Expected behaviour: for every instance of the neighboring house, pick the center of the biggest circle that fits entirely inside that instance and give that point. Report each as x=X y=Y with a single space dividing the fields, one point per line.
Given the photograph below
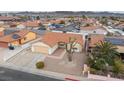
x=118 y=42
x=17 y=38
x=93 y=30
x=39 y=32
x=92 y=40
x=9 y=18
x=53 y=26
x=29 y=25
x=69 y=28
x=2 y=31
x=8 y=31
x=50 y=42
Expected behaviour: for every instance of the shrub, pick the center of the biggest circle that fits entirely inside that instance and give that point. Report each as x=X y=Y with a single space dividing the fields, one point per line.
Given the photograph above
x=40 y=65
x=118 y=67
x=93 y=71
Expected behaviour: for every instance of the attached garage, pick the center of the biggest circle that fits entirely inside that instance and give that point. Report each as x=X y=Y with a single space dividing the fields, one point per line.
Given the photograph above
x=40 y=48
x=3 y=44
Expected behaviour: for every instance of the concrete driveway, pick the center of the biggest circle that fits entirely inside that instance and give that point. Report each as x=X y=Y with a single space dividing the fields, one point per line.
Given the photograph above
x=26 y=58
x=2 y=54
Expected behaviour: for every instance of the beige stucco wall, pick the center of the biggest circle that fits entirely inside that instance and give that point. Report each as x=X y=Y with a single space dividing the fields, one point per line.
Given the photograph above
x=30 y=36
x=40 y=47
x=15 y=43
x=43 y=48
x=120 y=49
x=79 y=47
x=51 y=50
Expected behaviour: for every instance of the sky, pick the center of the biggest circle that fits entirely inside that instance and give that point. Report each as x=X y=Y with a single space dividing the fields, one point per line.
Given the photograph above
x=62 y=5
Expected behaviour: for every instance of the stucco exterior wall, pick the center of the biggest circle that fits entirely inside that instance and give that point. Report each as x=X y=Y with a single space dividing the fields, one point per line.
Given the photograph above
x=15 y=43
x=30 y=36
x=40 y=47
x=120 y=49
x=51 y=50
x=79 y=48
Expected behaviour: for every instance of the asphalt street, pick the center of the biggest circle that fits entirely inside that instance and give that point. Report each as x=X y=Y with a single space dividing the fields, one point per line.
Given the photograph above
x=14 y=75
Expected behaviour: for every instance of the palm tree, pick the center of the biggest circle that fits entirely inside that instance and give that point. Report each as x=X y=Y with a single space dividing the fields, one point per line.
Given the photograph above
x=103 y=55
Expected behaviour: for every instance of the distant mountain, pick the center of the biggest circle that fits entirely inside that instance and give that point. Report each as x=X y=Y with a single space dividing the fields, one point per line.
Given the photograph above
x=68 y=13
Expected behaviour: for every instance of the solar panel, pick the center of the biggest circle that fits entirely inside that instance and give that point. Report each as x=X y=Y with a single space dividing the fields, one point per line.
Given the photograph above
x=15 y=36
x=115 y=41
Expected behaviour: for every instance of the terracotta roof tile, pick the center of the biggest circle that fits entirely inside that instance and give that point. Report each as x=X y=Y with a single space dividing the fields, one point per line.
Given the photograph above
x=8 y=38
x=2 y=18
x=52 y=38
x=95 y=38
x=35 y=23
x=87 y=28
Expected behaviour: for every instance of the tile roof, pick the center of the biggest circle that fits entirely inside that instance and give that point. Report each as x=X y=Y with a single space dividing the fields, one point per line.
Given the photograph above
x=87 y=28
x=9 y=38
x=52 y=38
x=7 y=18
x=69 y=28
x=95 y=38
x=35 y=23
x=39 y=32
x=8 y=31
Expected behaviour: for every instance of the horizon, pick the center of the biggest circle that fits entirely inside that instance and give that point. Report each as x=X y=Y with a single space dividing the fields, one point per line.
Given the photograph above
x=116 y=12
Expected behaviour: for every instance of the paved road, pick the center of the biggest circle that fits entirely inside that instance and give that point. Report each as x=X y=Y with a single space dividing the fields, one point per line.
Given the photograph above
x=13 y=75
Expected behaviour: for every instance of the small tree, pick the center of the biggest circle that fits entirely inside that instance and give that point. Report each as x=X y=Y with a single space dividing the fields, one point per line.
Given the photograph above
x=38 y=17
x=118 y=67
x=84 y=17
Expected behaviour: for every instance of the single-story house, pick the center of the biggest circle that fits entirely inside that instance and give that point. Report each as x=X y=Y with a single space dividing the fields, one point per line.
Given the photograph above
x=68 y=28
x=2 y=31
x=93 y=30
x=29 y=25
x=51 y=41
x=92 y=40
x=118 y=42
x=9 y=18
x=17 y=38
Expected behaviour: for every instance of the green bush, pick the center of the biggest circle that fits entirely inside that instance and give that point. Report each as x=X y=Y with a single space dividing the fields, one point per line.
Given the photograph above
x=40 y=65
x=118 y=67
x=93 y=71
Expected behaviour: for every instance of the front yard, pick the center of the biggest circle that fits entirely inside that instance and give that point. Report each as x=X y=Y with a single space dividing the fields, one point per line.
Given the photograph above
x=64 y=66
x=28 y=59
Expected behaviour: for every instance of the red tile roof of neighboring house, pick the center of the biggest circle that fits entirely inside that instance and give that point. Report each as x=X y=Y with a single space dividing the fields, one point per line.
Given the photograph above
x=91 y=28
x=8 y=38
x=7 y=18
x=52 y=38
x=35 y=23
x=95 y=38
x=87 y=28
